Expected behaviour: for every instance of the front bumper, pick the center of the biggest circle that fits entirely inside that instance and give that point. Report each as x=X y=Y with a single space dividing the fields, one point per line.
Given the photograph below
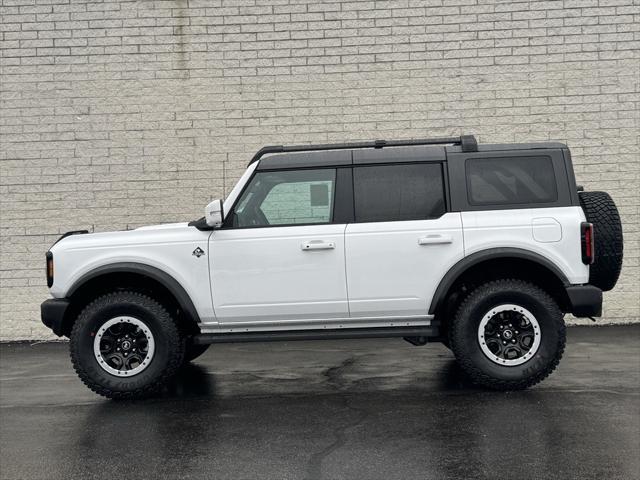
x=584 y=300
x=53 y=313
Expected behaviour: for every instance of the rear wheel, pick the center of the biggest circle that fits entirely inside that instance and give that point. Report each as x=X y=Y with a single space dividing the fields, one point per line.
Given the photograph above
x=125 y=345
x=508 y=335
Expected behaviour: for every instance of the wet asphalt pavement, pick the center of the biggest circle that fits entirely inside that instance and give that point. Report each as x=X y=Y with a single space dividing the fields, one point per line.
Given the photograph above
x=351 y=409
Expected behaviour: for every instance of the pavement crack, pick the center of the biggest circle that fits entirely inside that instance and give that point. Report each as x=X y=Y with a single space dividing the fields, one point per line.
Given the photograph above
x=334 y=375
x=314 y=468
x=336 y=380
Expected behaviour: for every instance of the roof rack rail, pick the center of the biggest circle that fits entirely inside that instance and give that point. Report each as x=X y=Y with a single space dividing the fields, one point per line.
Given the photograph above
x=467 y=142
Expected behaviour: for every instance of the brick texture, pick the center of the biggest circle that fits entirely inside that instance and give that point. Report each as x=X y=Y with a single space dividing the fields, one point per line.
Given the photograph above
x=121 y=113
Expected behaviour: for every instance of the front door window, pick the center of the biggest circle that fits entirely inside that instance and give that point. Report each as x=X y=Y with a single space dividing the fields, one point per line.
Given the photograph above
x=294 y=197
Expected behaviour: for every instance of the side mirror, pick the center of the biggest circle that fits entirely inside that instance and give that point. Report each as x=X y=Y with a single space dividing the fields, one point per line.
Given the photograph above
x=214 y=214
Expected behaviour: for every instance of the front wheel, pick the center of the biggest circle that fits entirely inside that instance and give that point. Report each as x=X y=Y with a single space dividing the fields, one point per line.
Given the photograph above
x=508 y=335
x=125 y=345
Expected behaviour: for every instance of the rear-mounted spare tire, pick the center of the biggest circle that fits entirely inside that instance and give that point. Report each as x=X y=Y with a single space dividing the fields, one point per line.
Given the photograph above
x=602 y=212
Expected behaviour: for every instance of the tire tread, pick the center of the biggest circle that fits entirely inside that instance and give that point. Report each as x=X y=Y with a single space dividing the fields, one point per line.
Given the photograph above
x=600 y=210
x=171 y=328
x=476 y=375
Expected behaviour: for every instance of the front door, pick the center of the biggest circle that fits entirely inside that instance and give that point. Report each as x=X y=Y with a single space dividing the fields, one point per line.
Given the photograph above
x=279 y=261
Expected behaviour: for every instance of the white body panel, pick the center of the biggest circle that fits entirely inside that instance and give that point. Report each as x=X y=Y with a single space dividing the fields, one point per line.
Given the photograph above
x=278 y=274
x=393 y=268
x=167 y=247
x=376 y=274
x=553 y=233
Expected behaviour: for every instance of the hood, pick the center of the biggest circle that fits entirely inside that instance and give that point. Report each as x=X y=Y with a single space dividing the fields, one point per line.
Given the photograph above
x=163 y=226
x=152 y=234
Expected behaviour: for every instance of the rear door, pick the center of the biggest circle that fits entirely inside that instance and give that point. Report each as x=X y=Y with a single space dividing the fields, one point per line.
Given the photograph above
x=403 y=239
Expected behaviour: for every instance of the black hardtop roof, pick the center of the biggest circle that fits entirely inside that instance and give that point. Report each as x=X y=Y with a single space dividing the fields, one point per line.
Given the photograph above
x=381 y=151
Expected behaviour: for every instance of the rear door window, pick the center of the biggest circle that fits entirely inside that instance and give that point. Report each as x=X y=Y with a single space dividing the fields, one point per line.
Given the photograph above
x=387 y=193
x=510 y=180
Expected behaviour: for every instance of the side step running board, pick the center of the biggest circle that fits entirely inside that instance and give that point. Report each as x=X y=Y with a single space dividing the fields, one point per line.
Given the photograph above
x=325 y=334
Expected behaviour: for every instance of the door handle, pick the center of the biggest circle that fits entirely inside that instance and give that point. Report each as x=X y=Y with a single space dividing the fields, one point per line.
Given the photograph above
x=435 y=240
x=317 y=245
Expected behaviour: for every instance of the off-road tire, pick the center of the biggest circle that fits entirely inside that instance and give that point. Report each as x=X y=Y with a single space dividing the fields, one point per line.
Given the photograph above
x=193 y=351
x=600 y=210
x=463 y=335
x=167 y=358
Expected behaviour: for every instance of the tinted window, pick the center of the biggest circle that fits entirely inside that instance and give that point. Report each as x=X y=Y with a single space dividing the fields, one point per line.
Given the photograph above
x=287 y=198
x=398 y=192
x=496 y=181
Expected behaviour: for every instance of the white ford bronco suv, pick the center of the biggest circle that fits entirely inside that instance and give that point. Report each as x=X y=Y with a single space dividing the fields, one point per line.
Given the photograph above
x=481 y=247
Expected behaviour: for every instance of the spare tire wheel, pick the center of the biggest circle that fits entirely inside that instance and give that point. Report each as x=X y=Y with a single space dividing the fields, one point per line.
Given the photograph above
x=602 y=212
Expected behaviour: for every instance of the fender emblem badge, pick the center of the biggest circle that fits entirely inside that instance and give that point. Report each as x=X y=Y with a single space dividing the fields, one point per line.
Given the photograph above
x=198 y=252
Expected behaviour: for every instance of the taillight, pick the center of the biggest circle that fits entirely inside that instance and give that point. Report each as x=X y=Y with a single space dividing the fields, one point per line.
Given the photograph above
x=49 y=269
x=588 y=246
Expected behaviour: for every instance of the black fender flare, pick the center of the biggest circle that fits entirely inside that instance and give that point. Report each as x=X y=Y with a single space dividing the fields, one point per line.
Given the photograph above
x=490 y=254
x=160 y=276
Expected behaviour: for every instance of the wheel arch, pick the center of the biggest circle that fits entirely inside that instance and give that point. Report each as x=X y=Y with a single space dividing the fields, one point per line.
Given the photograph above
x=502 y=261
x=132 y=276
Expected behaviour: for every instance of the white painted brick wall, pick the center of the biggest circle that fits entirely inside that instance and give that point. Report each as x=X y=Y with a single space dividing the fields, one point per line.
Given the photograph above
x=122 y=113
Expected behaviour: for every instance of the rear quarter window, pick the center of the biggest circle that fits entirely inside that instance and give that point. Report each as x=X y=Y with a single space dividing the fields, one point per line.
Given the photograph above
x=510 y=180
